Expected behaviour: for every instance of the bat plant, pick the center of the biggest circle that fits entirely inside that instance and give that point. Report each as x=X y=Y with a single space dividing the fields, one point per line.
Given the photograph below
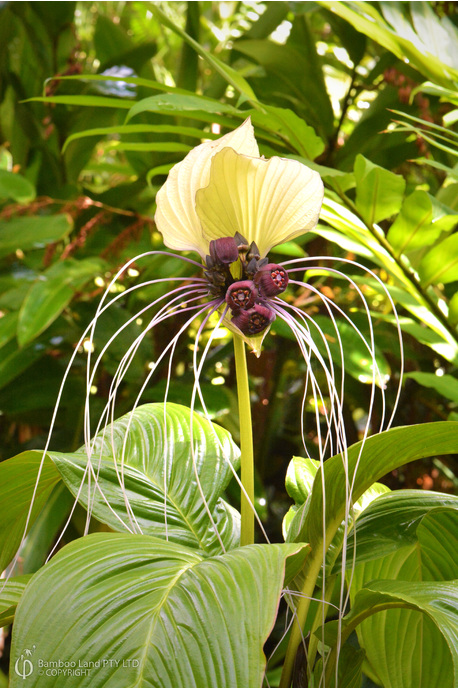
x=167 y=587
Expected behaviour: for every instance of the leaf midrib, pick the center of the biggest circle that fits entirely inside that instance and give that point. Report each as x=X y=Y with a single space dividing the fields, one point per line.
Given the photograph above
x=110 y=461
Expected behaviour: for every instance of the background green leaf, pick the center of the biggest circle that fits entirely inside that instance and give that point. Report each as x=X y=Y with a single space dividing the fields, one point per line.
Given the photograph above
x=32 y=232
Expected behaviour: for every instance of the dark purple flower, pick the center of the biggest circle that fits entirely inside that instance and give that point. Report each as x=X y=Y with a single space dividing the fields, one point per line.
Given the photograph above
x=254 y=320
x=271 y=279
x=224 y=250
x=241 y=295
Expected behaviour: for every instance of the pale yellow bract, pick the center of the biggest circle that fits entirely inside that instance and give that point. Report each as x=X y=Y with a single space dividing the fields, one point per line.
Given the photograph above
x=222 y=187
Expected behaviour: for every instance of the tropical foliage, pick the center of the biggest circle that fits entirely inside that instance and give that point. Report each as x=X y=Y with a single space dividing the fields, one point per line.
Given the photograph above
x=147 y=584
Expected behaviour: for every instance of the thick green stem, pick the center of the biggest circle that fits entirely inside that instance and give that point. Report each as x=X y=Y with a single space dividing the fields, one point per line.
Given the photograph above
x=348 y=629
x=313 y=566
x=319 y=617
x=246 y=443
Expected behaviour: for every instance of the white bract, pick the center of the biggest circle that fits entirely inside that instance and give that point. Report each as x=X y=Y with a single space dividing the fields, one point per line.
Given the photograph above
x=224 y=186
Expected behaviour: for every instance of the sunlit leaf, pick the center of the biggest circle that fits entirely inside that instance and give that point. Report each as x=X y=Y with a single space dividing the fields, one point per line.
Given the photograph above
x=165 y=615
x=440 y=264
x=164 y=448
x=379 y=192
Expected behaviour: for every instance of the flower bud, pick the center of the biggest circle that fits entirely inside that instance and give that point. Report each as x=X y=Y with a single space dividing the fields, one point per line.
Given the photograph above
x=254 y=320
x=224 y=250
x=241 y=295
x=271 y=280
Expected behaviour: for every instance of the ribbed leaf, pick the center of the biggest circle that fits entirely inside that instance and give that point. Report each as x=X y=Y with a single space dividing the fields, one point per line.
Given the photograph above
x=159 y=476
x=379 y=192
x=391 y=522
x=140 y=612
x=379 y=455
x=10 y=593
x=410 y=648
x=414 y=541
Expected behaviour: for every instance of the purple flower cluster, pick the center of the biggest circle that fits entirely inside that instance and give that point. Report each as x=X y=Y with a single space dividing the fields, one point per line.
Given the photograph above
x=247 y=296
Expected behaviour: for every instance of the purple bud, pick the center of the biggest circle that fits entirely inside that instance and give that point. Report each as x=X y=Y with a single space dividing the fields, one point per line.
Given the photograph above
x=254 y=320
x=224 y=250
x=241 y=295
x=271 y=280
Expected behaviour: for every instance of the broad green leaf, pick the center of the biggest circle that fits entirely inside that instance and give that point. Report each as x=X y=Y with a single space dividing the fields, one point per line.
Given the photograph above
x=427 y=634
x=18 y=479
x=413 y=646
x=10 y=592
x=445 y=385
x=413 y=227
x=391 y=522
x=33 y=232
x=16 y=187
x=159 y=614
x=379 y=192
x=159 y=476
x=350 y=667
x=299 y=478
x=287 y=124
x=367 y=462
x=410 y=536
x=440 y=265
x=51 y=293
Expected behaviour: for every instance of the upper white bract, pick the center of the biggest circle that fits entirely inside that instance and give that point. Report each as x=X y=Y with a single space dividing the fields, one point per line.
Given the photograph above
x=224 y=186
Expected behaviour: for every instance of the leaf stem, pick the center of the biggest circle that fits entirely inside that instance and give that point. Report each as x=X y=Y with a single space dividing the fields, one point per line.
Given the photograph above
x=246 y=443
x=311 y=572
